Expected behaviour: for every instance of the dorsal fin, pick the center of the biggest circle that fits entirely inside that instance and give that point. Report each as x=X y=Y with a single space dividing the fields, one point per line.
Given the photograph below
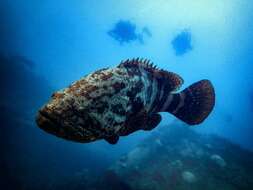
x=175 y=80
x=144 y=63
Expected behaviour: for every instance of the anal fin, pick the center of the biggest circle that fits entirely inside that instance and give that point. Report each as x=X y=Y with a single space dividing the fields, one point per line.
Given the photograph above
x=112 y=139
x=152 y=122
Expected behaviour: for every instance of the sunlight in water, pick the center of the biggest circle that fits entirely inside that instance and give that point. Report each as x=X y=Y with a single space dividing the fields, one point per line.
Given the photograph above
x=192 y=11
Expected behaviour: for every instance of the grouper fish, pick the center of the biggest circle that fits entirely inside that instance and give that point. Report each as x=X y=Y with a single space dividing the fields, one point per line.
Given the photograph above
x=114 y=102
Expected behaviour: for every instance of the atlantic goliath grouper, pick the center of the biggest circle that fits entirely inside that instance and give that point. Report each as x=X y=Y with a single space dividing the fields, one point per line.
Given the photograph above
x=114 y=102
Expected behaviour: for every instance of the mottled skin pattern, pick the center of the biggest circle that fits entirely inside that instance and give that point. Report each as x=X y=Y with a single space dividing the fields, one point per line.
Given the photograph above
x=110 y=102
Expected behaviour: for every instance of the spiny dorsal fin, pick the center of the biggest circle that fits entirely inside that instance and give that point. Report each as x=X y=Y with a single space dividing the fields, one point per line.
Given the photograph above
x=144 y=63
x=175 y=80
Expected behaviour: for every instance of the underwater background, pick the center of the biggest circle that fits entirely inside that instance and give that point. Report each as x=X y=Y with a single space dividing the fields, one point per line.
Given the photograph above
x=46 y=45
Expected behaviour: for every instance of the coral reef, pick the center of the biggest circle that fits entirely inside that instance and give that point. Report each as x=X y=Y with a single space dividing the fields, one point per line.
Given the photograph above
x=218 y=160
x=188 y=177
x=178 y=158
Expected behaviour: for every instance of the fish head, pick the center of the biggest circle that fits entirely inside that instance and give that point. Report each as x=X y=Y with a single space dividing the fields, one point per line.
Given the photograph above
x=62 y=116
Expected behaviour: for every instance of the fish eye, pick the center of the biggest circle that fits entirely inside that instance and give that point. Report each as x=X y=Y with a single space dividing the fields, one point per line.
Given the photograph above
x=57 y=95
x=54 y=95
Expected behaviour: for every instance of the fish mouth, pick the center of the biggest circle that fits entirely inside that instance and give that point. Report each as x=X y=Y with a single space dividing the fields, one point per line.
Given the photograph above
x=48 y=123
x=51 y=125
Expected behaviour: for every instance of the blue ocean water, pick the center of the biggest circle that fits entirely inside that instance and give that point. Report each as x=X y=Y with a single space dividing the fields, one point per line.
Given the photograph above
x=46 y=45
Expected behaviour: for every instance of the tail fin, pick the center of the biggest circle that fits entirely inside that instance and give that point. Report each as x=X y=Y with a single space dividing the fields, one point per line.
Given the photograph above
x=194 y=103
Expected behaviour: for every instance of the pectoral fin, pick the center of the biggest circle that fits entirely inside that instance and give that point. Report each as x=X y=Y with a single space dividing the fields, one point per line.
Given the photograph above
x=134 y=122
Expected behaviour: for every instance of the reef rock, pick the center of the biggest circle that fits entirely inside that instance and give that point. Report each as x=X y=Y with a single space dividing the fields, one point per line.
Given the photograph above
x=177 y=164
x=181 y=158
x=188 y=176
x=218 y=160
